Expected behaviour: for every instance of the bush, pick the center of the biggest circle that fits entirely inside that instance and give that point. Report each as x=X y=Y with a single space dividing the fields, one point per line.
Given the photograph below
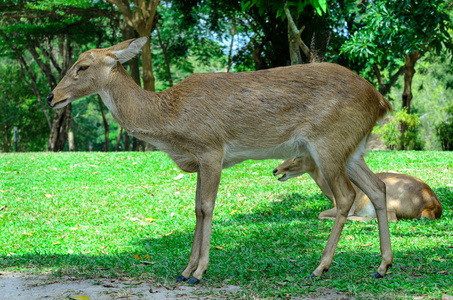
x=392 y=134
x=445 y=131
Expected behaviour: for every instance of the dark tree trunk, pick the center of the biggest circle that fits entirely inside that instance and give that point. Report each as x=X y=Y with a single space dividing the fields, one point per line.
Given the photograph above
x=59 y=130
x=409 y=72
x=106 y=125
x=61 y=122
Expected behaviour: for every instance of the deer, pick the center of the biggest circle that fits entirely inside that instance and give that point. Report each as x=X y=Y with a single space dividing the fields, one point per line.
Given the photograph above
x=407 y=197
x=211 y=121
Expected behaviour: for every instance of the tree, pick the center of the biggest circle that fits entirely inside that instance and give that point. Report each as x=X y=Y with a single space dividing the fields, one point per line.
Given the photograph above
x=285 y=9
x=44 y=32
x=140 y=14
x=395 y=36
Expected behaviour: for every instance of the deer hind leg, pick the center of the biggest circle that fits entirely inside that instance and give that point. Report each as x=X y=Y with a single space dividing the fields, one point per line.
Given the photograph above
x=374 y=188
x=344 y=194
x=208 y=180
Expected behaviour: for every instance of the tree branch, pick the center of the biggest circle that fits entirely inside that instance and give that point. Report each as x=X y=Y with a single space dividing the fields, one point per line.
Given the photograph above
x=296 y=32
x=34 y=87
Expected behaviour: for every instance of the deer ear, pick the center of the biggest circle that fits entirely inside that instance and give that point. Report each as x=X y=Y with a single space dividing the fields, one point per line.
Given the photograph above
x=128 y=49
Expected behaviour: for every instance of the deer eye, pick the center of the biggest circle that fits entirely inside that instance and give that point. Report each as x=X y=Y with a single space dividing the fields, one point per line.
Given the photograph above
x=83 y=68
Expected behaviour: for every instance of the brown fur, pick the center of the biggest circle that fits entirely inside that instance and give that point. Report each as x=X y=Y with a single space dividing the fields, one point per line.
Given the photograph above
x=212 y=121
x=407 y=197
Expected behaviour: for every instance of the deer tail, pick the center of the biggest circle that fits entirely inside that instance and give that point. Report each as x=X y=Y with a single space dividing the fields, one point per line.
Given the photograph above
x=384 y=106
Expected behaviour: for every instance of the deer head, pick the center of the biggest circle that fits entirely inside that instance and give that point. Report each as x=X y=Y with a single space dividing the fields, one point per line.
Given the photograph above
x=92 y=72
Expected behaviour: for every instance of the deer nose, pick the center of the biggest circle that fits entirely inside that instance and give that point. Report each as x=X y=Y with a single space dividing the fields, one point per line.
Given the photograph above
x=49 y=99
x=275 y=171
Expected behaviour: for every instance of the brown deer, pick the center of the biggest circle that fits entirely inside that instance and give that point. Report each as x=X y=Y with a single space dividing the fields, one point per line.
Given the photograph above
x=208 y=122
x=407 y=197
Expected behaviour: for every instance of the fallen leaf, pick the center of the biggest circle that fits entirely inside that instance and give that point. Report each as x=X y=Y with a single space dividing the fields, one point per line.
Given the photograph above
x=70 y=251
x=49 y=195
x=146 y=256
x=136 y=256
x=178 y=177
x=79 y=297
x=367 y=245
x=149 y=220
x=138 y=283
x=56 y=243
x=253 y=270
x=219 y=248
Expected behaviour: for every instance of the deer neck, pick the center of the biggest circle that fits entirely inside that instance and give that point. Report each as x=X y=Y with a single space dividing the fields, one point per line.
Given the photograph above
x=134 y=108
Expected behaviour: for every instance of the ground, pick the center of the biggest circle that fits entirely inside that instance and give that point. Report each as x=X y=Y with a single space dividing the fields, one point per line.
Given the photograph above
x=19 y=286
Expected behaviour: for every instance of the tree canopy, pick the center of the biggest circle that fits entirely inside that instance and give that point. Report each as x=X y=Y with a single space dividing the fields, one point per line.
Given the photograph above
x=385 y=41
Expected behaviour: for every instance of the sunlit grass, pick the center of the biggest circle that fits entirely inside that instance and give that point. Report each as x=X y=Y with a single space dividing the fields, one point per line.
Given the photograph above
x=103 y=214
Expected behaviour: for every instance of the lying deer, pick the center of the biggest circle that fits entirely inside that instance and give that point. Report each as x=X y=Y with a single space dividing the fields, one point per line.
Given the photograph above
x=407 y=197
x=208 y=122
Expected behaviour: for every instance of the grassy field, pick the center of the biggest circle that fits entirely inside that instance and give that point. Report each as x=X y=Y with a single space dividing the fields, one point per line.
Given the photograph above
x=132 y=214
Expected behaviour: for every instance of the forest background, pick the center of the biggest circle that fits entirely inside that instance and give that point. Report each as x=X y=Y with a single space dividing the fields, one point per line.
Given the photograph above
x=403 y=47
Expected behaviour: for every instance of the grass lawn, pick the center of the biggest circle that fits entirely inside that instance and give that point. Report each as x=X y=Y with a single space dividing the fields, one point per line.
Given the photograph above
x=132 y=214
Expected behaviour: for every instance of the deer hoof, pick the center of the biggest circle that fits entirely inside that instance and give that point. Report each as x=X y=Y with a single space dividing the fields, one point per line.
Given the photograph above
x=311 y=276
x=193 y=280
x=377 y=276
x=180 y=278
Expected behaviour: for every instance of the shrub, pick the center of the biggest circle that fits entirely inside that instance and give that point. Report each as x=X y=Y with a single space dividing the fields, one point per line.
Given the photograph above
x=392 y=134
x=445 y=131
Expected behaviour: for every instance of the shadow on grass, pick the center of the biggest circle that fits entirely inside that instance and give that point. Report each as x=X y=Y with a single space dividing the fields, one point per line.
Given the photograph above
x=276 y=245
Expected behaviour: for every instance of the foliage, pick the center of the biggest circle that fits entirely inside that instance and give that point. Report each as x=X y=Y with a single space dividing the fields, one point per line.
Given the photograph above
x=391 y=134
x=278 y=6
x=187 y=47
x=393 y=29
x=445 y=131
x=92 y=214
x=18 y=108
x=432 y=88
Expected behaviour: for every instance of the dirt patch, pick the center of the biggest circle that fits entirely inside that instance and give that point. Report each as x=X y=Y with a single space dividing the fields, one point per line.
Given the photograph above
x=19 y=286
x=34 y=287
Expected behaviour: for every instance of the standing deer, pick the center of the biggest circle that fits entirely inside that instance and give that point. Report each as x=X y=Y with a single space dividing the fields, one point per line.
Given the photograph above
x=208 y=122
x=407 y=197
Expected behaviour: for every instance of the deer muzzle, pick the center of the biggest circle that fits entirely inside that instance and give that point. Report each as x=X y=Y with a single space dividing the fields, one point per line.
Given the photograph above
x=49 y=100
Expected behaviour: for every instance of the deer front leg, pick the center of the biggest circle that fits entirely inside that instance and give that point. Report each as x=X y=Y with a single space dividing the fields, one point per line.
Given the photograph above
x=208 y=180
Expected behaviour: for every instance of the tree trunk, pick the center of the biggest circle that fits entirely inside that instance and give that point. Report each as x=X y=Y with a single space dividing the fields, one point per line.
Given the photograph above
x=164 y=52
x=260 y=64
x=59 y=130
x=61 y=122
x=106 y=125
x=294 y=52
x=231 y=44
x=409 y=72
x=71 y=144
x=127 y=143
x=118 y=139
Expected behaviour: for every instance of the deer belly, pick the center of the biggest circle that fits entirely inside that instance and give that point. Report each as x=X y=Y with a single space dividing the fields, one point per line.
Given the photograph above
x=235 y=154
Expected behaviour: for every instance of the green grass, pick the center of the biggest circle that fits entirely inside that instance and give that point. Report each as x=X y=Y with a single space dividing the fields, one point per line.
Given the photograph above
x=103 y=214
